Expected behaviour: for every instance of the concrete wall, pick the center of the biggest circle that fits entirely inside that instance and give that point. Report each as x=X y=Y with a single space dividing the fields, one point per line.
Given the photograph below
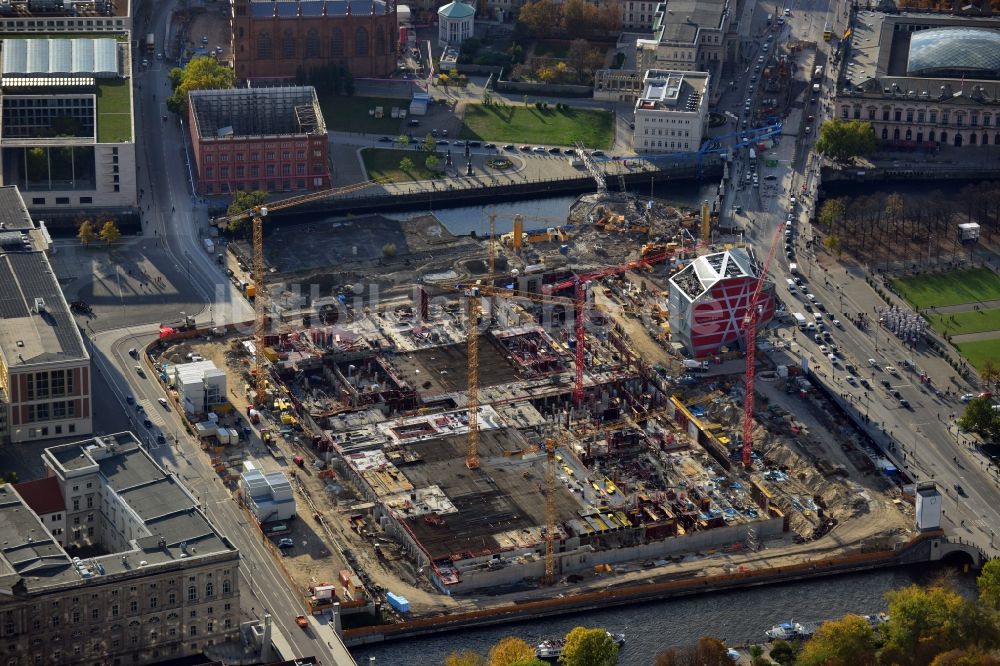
x=585 y=558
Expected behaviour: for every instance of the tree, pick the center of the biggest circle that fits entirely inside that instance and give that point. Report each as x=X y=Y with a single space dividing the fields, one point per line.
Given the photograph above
x=964 y=658
x=579 y=51
x=980 y=417
x=389 y=250
x=402 y=141
x=429 y=144
x=464 y=658
x=109 y=232
x=540 y=17
x=848 y=641
x=923 y=622
x=508 y=651
x=406 y=164
x=782 y=652
x=757 y=656
x=832 y=212
x=589 y=647
x=989 y=372
x=833 y=244
x=989 y=585
x=843 y=140
x=243 y=202
x=86 y=234
x=202 y=73
x=534 y=661
x=432 y=162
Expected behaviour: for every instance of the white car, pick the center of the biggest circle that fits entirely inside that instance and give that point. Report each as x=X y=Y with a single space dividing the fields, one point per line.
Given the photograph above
x=811 y=297
x=850 y=380
x=872 y=363
x=833 y=358
x=968 y=397
x=836 y=322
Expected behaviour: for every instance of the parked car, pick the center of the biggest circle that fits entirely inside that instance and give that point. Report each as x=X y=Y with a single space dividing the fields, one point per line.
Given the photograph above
x=286 y=543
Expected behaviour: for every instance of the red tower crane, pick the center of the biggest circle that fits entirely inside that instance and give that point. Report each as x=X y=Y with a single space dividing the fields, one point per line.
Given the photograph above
x=579 y=284
x=750 y=322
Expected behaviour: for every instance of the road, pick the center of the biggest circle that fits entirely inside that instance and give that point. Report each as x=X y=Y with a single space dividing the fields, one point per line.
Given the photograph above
x=174 y=223
x=922 y=439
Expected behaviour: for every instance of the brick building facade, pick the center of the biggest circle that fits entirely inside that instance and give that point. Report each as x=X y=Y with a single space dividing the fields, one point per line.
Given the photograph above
x=271 y=139
x=278 y=40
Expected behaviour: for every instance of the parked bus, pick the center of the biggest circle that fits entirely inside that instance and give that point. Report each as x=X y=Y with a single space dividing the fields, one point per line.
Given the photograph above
x=827 y=33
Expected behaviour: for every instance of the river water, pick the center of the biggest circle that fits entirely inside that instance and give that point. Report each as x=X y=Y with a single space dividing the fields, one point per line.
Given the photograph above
x=551 y=211
x=652 y=627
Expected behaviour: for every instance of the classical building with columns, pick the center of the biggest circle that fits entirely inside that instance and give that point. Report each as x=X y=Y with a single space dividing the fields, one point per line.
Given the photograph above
x=923 y=80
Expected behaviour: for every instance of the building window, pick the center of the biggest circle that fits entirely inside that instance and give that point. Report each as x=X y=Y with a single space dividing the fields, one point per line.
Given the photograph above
x=288 y=44
x=932 y=118
x=171 y=598
x=114 y=610
x=361 y=42
x=193 y=630
x=254 y=171
x=380 y=40
x=95 y=614
x=239 y=172
x=225 y=588
x=312 y=44
x=192 y=593
x=264 y=44
x=209 y=590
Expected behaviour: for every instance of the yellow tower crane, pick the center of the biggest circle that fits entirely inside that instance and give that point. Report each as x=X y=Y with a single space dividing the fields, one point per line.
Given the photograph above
x=550 y=511
x=472 y=457
x=256 y=216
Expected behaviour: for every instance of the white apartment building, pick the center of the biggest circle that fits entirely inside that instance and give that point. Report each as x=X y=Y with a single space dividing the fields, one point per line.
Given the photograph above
x=670 y=114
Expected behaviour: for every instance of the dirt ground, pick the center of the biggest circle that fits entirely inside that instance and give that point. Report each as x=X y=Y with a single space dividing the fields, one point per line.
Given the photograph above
x=211 y=24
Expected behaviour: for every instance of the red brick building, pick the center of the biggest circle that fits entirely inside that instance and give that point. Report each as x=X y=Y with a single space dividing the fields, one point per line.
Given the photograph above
x=271 y=139
x=275 y=40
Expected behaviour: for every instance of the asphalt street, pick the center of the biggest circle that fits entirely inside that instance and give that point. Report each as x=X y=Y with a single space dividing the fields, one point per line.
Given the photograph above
x=927 y=445
x=174 y=222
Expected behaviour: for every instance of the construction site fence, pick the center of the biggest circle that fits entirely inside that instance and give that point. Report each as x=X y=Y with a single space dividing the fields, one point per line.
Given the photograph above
x=688 y=585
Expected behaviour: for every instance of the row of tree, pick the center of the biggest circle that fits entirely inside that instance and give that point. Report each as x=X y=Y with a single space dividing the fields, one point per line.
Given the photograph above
x=88 y=233
x=583 y=647
x=547 y=18
x=979 y=416
x=887 y=227
x=926 y=626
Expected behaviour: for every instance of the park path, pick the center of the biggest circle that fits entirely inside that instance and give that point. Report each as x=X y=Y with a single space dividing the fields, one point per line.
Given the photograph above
x=963 y=307
x=975 y=337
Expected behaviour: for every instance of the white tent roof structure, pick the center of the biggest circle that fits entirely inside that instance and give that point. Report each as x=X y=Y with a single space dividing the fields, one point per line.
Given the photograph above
x=60 y=57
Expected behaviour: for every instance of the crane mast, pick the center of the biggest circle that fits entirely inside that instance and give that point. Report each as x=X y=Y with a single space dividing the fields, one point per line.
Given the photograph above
x=472 y=456
x=550 y=511
x=750 y=321
x=260 y=298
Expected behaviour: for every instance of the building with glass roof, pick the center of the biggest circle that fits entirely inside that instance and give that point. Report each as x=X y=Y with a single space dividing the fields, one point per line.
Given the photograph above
x=67 y=136
x=922 y=80
x=955 y=52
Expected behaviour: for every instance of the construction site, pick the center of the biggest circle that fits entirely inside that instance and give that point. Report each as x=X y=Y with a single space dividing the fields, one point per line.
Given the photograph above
x=495 y=415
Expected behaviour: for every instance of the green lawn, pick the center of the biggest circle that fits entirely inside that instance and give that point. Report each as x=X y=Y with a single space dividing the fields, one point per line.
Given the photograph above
x=552 y=48
x=977 y=352
x=114 y=112
x=382 y=165
x=350 y=114
x=509 y=124
x=976 y=321
x=951 y=288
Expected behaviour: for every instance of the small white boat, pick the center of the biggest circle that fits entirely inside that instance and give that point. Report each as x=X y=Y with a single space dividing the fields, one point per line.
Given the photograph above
x=551 y=649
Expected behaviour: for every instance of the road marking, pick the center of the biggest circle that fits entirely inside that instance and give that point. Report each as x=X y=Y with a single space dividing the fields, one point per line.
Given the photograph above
x=152 y=413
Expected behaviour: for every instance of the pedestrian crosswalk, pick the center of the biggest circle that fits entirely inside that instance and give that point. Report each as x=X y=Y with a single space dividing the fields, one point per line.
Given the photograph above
x=152 y=413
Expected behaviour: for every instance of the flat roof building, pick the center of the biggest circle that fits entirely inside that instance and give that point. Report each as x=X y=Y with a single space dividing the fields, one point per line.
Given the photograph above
x=67 y=137
x=159 y=581
x=44 y=366
x=922 y=80
x=271 y=139
x=61 y=16
x=670 y=114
